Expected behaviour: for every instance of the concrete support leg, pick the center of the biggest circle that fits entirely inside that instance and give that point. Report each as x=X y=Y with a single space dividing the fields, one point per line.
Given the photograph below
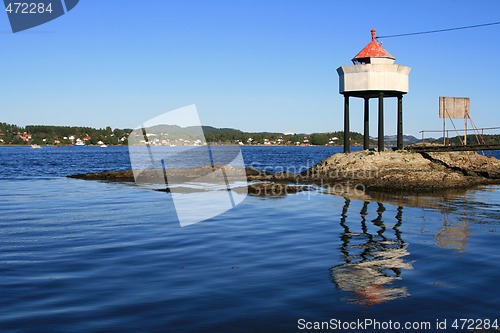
x=400 y=123
x=347 y=144
x=366 y=134
x=381 y=122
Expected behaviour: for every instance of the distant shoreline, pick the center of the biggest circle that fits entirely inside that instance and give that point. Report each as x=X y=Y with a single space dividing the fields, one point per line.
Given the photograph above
x=210 y=144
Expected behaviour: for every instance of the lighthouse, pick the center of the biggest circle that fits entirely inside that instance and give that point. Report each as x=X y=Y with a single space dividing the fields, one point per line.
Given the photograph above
x=373 y=75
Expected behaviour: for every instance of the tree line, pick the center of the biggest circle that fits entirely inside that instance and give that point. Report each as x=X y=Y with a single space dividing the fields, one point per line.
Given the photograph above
x=66 y=135
x=60 y=135
x=223 y=136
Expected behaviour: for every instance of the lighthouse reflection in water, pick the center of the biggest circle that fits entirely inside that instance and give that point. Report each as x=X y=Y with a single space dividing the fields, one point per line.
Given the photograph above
x=373 y=261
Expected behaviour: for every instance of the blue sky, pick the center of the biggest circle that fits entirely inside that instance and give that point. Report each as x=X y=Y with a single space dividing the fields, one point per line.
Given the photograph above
x=252 y=65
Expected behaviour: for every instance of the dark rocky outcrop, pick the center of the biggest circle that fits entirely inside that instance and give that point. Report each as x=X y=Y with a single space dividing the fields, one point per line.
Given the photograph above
x=361 y=172
x=111 y=176
x=402 y=171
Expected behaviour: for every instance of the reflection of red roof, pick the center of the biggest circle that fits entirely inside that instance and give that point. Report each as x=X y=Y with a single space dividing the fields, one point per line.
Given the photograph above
x=373 y=50
x=372 y=295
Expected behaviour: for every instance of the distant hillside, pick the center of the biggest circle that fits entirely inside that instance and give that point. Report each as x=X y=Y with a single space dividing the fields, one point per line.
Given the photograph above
x=489 y=139
x=168 y=134
x=175 y=135
x=391 y=140
x=60 y=135
x=162 y=134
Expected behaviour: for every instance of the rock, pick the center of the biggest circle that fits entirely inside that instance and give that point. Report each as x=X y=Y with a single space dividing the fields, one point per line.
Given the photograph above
x=112 y=176
x=359 y=172
x=403 y=171
x=275 y=189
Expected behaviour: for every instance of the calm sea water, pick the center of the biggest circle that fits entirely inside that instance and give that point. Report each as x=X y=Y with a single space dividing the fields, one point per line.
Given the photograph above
x=85 y=256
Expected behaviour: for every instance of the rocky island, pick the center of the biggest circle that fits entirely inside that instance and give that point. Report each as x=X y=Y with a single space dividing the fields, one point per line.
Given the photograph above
x=364 y=172
x=404 y=171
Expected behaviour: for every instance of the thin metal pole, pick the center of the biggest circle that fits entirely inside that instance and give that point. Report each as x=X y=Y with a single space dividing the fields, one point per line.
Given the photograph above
x=399 y=145
x=381 y=121
x=465 y=130
x=347 y=146
x=444 y=131
x=366 y=134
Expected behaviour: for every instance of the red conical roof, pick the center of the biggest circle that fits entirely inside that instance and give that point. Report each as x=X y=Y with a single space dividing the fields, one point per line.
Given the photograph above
x=373 y=50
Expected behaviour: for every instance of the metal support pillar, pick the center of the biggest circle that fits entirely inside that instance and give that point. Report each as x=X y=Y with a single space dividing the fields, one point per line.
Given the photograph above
x=381 y=121
x=347 y=145
x=366 y=134
x=399 y=145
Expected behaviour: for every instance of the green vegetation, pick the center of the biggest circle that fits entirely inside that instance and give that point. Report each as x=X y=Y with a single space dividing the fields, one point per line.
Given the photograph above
x=170 y=134
x=489 y=139
x=224 y=136
x=9 y=134
x=67 y=135
x=60 y=135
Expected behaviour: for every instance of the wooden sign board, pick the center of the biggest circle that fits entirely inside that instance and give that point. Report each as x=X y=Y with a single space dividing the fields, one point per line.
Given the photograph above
x=454 y=107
